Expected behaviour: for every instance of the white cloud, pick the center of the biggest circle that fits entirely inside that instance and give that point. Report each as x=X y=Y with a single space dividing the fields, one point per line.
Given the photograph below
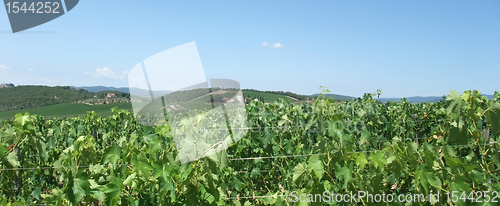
x=275 y=45
x=31 y=70
x=4 y=68
x=106 y=73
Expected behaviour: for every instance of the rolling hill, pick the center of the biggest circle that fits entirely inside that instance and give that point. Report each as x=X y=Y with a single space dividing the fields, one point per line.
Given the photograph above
x=67 y=109
x=61 y=100
x=418 y=99
x=23 y=97
x=136 y=91
x=103 y=88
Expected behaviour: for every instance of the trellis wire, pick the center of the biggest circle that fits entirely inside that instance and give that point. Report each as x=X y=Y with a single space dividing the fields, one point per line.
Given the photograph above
x=236 y=159
x=75 y=166
x=273 y=196
x=305 y=155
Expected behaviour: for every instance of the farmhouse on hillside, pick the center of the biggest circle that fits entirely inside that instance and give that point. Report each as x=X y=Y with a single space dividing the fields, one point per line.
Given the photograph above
x=110 y=95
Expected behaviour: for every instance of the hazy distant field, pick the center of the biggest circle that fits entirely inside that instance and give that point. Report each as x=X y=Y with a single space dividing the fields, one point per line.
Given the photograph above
x=267 y=96
x=67 y=109
x=71 y=109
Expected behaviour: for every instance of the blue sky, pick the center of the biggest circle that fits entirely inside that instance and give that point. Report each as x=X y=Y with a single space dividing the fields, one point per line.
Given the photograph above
x=405 y=48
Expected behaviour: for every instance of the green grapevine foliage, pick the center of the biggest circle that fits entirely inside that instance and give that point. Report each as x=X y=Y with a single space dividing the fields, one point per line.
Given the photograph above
x=361 y=145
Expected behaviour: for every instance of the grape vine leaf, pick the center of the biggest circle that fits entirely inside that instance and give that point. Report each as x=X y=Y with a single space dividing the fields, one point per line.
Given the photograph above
x=9 y=135
x=361 y=160
x=21 y=120
x=112 y=190
x=344 y=172
x=112 y=154
x=79 y=187
x=459 y=184
x=378 y=159
x=298 y=171
x=455 y=102
x=3 y=150
x=129 y=179
x=316 y=165
x=12 y=159
x=493 y=116
x=458 y=136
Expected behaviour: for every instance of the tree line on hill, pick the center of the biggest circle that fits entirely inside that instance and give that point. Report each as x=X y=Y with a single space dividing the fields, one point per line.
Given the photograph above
x=290 y=94
x=30 y=96
x=23 y=97
x=187 y=95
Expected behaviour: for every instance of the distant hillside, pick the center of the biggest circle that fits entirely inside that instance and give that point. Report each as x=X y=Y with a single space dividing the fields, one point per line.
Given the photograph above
x=253 y=93
x=336 y=96
x=273 y=95
x=415 y=99
x=103 y=88
x=103 y=94
x=22 y=97
x=67 y=110
x=418 y=99
x=136 y=91
x=264 y=96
